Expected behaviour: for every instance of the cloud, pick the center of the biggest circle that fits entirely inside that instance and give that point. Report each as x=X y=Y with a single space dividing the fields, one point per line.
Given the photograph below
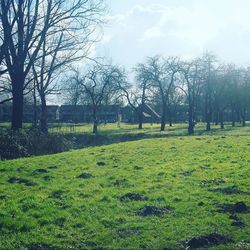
x=140 y=28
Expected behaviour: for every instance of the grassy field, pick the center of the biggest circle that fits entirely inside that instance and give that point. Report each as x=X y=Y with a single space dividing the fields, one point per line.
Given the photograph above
x=176 y=192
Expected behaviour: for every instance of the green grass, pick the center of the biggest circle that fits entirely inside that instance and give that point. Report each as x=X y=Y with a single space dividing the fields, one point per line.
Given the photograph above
x=65 y=212
x=179 y=129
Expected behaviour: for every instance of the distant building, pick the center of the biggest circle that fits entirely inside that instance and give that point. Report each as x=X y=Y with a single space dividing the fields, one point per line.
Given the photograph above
x=106 y=114
x=28 y=113
x=83 y=113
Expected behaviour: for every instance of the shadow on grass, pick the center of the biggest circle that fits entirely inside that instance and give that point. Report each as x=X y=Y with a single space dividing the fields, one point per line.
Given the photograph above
x=82 y=140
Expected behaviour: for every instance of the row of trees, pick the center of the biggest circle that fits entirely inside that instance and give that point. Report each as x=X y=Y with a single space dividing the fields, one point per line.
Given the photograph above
x=202 y=85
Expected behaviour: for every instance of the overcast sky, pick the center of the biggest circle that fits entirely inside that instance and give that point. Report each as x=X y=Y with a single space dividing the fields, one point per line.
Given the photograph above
x=186 y=28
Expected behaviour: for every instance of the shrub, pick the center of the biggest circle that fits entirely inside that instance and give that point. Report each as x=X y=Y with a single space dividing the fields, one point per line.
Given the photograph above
x=23 y=143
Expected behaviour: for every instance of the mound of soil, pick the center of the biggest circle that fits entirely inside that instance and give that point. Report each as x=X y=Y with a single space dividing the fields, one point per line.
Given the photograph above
x=48 y=177
x=85 y=176
x=154 y=211
x=238 y=224
x=121 y=182
x=40 y=246
x=238 y=207
x=236 y=221
x=2 y=197
x=14 y=180
x=40 y=171
x=133 y=197
x=127 y=232
x=209 y=240
x=100 y=163
x=229 y=190
x=57 y=194
x=137 y=168
x=52 y=167
x=88 y=244
x=187 y=173
x=212 y=182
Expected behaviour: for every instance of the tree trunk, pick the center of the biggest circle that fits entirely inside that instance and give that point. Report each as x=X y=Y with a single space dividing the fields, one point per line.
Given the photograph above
x=216 y=118
x=221 y=120
x=95 y=125
x=208 y=127
x=95 y=121
x=140 y=124
x=44 y=115
x=75 y=114
x=17 y=103
x=35 y=109
x=243 y=117
x=208 y=119
x=163 y=118
x=190 y=121
x=170 y=119
x=140 y=117
x=243 y=121
x=233 y=118
x=208 y=112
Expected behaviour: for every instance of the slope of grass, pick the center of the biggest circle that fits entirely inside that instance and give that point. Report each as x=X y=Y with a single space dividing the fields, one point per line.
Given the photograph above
x=147 y=194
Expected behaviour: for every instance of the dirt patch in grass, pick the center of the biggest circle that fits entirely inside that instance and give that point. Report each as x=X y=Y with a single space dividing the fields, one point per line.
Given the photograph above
x=85 y=176
x=48 y=177
x=154 y=211
x=161 y=174
x=56 y=194
x=212 y=182
x=137 y=168
x=209 y=240
x=127 y=232
x=133 y=197
x=40 y=246
x=14 y=180
x=229 y=190
x=236 y=221
x=238 y=207
x=88 y=244
x=59 y=221
x=121 y=182
x=187 y=173
x=52 y=167
x=3 y=197
x=100 y=163
x=39 y=171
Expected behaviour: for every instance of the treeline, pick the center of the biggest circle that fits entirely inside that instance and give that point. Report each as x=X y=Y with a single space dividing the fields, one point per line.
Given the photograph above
x=44 y=42
x=203 y=85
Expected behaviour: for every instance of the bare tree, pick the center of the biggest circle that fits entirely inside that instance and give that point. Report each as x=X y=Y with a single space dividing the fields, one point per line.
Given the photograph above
x=101 y=85
x=138 y=94
x=163 y=75
x=25 y=26
x=192 y=89
x=208 y=61
x=71 y=92
x=245 y=95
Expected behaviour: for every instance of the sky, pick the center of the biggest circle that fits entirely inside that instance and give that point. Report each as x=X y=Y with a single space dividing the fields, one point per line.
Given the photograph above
x=137 y=29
